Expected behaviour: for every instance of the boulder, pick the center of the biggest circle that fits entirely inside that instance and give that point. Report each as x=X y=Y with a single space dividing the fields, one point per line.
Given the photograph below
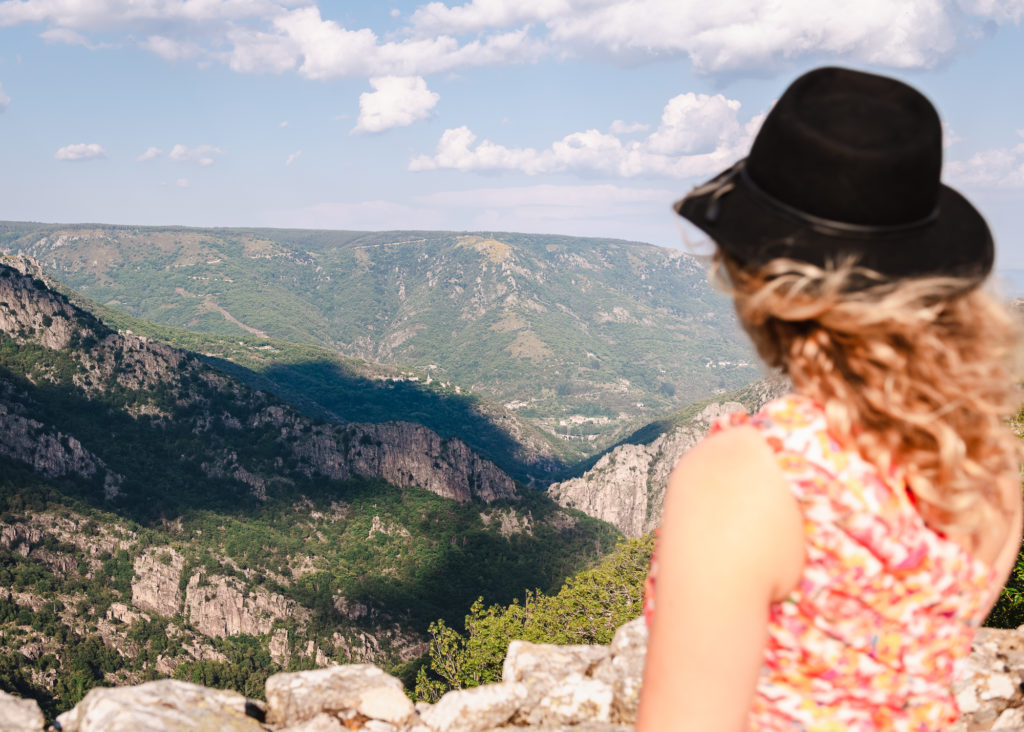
x=343 y=692
x=19 y=715
x=162 y=706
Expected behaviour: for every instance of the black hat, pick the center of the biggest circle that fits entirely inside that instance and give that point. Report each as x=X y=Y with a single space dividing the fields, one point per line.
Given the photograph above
x=846 y=165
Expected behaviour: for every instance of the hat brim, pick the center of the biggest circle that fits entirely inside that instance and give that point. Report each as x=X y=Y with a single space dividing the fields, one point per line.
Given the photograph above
x=956 y=242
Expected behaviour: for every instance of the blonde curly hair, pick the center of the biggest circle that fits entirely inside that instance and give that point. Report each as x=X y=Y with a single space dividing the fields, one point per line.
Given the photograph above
x=914 y=374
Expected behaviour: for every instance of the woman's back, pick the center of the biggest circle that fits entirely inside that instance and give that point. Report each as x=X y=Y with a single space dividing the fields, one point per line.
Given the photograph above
x=869 y=626
x=884 y=606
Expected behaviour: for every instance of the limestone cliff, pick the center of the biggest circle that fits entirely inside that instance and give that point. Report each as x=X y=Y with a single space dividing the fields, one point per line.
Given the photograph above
x=626 y=487
x=156 y=584
x=403 y=454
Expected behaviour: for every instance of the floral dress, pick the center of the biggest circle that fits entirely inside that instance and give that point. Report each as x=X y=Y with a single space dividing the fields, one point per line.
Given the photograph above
x=885 y=606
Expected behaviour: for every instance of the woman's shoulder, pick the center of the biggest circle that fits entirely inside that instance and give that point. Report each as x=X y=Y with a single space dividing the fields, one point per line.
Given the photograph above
x=787 y=421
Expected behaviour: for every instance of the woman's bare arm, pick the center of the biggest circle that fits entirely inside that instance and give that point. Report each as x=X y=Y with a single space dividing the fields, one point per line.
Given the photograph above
x=731 y=542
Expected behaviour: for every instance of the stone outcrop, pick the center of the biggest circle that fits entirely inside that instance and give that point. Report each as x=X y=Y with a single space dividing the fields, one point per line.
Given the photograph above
x=156 y=585
x=626 y=487
x=219 y=606
x=543 y=687
x=447 y=468
x=162 y=705
x=343 y=692
x=50 y=452
x=989 y=687
x=19 y=715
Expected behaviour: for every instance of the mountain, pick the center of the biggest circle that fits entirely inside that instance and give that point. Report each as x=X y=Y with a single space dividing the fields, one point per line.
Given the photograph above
x=626 y=485
x=326 y=385
x=159 y=517
x=583 y=338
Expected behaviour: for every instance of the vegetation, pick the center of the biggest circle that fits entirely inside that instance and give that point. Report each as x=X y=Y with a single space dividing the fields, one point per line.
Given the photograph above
x=197 y=467
x=482 y=311
x=587 y=609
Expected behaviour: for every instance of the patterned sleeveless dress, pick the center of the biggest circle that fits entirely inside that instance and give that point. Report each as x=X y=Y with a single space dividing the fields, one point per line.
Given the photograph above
x=885 y=606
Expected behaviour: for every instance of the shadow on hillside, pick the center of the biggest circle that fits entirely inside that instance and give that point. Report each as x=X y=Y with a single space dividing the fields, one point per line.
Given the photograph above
x=323 y=390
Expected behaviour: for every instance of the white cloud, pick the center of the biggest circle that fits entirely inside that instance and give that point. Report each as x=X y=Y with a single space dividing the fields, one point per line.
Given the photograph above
x=80 y=151
x=181 y=182
x=256 y=52
x=4 y=99
x=698 y=136
x=997 y=168
x=150 y=154
x=293 y=157
x=277 y=36
x=170 y=49
x=620 y=127
x=949 y=136
x=71 y=38
x=202 y=154
x=695 y=122
x=328 y=50
x=283 y=124
x=999 y=10
x=106 y=14
x=473 y=17
x=732 y=35
x=397 y=101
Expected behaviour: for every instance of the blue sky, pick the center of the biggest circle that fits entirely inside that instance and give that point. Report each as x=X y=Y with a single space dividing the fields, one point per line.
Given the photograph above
x=585 y=117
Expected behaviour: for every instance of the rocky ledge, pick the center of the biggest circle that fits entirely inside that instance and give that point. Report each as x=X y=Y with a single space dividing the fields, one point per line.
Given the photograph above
x=543 y=687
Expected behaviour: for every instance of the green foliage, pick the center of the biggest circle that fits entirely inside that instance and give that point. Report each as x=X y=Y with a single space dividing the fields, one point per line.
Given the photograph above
x=588 y=609
x=1009 y=608
x=630 y=326
x=246 y=670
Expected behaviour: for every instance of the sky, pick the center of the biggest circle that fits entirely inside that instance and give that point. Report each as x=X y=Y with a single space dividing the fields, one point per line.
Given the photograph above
x=580 y=117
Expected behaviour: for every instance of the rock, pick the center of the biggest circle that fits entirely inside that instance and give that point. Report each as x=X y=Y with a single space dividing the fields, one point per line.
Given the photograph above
x=322 y=722
x=279 y=648
x=156 y=585
x=342 y=691
x=161 y=706
x=573 y=684
x=623 y=670
x=124 y=614
x=576 y=699
x=548 y=664
x=989 y=681
x=447 y=468
x=544 y=687
x=1010 y=719
x=220 y=606
x=477 y=709
x=19 y=715
x=626 y=487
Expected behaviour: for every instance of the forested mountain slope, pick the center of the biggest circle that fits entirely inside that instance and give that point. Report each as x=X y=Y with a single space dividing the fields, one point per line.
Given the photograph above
x=583 y=337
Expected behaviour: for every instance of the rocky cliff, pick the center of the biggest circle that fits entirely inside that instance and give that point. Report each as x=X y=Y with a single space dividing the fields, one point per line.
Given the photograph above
x=626 y=487
x=543 y=687
x=100 y=361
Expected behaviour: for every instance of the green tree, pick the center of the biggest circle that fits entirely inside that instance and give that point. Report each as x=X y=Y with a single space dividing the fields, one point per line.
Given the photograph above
x=588 y=609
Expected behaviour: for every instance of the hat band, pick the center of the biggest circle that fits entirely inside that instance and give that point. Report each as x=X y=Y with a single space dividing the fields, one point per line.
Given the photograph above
x=830 y=226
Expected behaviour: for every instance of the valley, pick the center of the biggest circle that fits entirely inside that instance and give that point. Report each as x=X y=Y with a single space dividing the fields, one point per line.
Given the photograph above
x=582 y=339
x=159 y=517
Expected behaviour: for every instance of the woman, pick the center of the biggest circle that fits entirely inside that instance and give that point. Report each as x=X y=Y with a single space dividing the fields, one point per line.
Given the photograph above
x=824 y=563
